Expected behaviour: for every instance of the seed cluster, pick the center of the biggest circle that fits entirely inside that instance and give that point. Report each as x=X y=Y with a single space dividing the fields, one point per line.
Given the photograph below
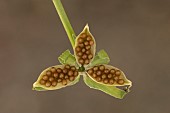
x=59 y=75
x=84 y=48
x=107 y=76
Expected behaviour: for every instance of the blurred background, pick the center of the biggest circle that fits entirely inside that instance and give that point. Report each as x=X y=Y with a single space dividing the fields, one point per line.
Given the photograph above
x=135 y=33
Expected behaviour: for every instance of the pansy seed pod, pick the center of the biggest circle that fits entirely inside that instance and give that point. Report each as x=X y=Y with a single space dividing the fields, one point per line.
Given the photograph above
x=57 y=77
x=108 y=75
x=85 y=47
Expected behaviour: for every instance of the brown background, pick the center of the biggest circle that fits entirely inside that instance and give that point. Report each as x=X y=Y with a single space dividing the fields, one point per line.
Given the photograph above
x=135 y=33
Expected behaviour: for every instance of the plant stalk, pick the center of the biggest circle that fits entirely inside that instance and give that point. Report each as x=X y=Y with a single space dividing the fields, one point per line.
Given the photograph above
x=65 y=21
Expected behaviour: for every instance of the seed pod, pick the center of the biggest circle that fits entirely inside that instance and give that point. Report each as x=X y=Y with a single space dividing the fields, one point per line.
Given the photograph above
x=85 y=47
x=106 y=74
x=56 y=77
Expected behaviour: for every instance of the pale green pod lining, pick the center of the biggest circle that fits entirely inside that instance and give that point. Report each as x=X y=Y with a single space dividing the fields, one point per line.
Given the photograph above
x=122 y=76
x=37 y=86
x=93 y=48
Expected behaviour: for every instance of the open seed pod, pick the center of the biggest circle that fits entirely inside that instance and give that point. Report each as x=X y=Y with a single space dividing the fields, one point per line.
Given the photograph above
x=85 y=47
x=108 y=75
x=57 y=77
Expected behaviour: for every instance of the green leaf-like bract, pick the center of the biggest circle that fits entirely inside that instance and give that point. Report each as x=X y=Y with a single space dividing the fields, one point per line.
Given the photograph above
x=67 y=58
x=101 y=58
x=111 y=90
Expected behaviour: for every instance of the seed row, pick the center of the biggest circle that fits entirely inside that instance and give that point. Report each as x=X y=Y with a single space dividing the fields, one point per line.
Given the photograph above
x=108 y=76
x=84 y=49
x=53 y=76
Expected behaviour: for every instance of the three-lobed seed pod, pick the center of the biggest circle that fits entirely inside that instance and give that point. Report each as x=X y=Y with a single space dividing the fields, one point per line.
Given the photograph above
x=85 y=47
x=60 y=76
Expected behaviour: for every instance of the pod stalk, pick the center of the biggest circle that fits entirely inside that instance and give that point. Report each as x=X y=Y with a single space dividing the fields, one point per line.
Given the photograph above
x=65 y=21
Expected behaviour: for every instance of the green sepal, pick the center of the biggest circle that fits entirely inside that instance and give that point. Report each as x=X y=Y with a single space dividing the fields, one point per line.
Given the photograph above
x=111 y=90
x=67 y=58
x=101 y=58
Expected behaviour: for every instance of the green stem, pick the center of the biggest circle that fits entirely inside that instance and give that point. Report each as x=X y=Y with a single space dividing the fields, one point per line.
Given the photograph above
x=66 y=23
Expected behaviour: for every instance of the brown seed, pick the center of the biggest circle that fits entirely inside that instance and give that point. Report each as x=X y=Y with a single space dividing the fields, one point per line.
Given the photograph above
x=105 y=81
x=86 y=61
x=83 y=50
x=88 y=47
x=90 y=71
x=80 y=40
x=111 y=81
x=64 y=82
x=88 y=38
x=118 y=73
x=94 y=75
x=73 y=68
x=75 y=73
x=42 y=82
x=48 y=84
x=66 y=77
x=59 y=80
x=86 y=43
x=79 y=54
x=98 y=79
x=116 y=78
x=99 y=73
x=91 y=42
x=45 y=77
x=106 y=71
x=121 y=81
x=61 y=75
x=83 y=35
x=81 y=61
x=78 y=49
x=59 y=70
x=88 y=52
x=53 y=70
x=54 y=83
x=55 y=75
x=84 y=56
x=90 y=56
x=70 y=73
x=81 y=45
x=95 y=68
x=51 y=79
x=104 y=76
x=48 y=73
x=71 y=78
x=112 y=71
x=101 y=67
x=67 y=66
x=65 y=71
x=109 y=75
